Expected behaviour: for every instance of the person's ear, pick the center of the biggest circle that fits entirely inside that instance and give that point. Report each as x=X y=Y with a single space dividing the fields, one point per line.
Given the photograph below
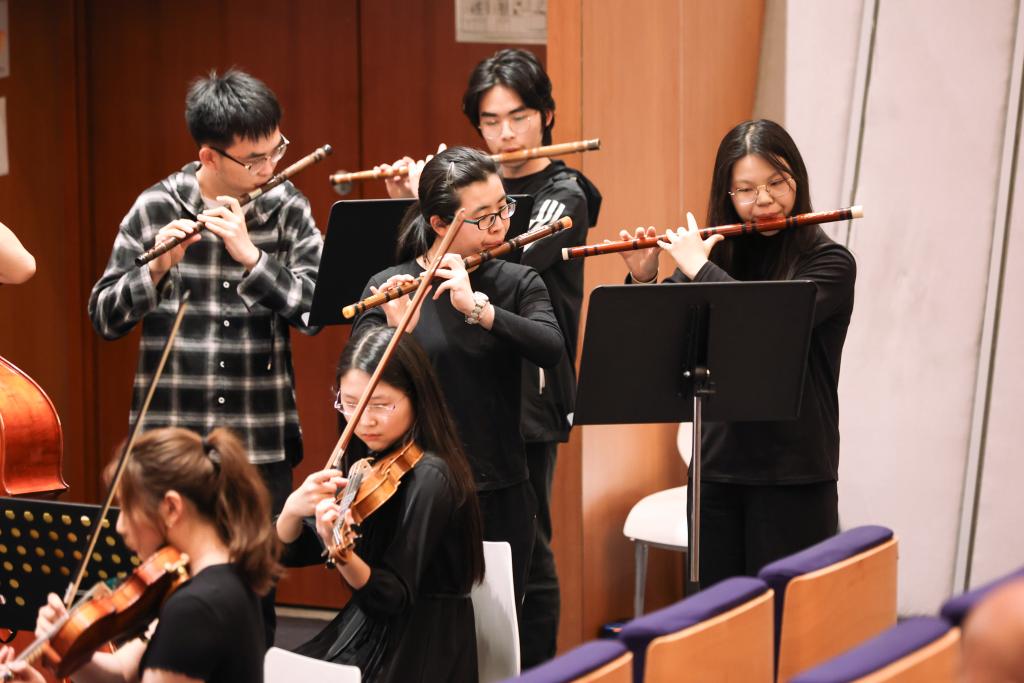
x=208 y=157
x=438 y=225
x=171 y=509
x=549 y=117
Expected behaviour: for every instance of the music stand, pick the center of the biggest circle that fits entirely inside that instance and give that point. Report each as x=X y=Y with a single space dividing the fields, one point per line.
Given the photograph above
x=360 y=242
x=732 y=351
x=41 y=546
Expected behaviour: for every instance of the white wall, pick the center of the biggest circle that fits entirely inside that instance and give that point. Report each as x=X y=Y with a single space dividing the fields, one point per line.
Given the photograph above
x=929 y=170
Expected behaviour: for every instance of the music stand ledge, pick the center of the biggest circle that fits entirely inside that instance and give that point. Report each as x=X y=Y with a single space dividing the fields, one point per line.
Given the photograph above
x=728 y=352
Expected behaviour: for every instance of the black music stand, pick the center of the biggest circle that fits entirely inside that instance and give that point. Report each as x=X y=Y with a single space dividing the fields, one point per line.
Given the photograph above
x=360 y=242
x=728 y=352
x=41 y=546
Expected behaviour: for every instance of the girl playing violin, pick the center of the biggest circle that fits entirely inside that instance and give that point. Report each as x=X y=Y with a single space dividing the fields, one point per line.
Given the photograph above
x=203 y=497
x=410 y=617
x=476 y=329
x=768 y=488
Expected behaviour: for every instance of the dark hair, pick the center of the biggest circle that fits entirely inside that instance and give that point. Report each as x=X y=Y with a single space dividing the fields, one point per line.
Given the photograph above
x=751 y=257
x=442 y=178
x=220 y=108
x=433 y=429
x=519 y=71
x=215 y=475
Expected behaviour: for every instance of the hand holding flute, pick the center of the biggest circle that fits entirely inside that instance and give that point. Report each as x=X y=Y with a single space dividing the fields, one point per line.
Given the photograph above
x=688 y=248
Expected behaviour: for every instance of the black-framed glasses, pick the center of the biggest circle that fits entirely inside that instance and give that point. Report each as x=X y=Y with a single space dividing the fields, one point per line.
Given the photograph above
x=254 y=166
x=487 y=221
x=776 y=189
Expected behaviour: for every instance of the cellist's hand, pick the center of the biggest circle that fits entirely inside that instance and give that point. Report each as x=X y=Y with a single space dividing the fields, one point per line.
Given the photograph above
x=303 y=500
x=19 y=672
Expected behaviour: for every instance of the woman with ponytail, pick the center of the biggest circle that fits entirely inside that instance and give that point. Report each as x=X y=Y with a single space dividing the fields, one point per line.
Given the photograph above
x=418 y=555
x=477 y=328
x=203 y=497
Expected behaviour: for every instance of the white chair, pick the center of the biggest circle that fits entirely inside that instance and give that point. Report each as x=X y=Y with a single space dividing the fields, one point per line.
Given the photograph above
x=282 y=666
x=494 y=605
x=659 y=520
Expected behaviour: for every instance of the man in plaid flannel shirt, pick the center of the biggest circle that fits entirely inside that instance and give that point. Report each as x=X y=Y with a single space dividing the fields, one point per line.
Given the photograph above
x=250 y=275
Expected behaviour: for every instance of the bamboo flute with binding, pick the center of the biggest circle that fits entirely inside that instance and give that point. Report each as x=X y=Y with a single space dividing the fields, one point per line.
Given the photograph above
x=341 y=178
x=471 y=262
x=162 y=248
x=730 y=230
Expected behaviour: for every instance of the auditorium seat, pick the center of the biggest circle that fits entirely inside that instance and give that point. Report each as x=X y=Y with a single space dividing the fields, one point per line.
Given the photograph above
x=723 y=633
x=599 y=661
x=918 y=650
x=832 y=596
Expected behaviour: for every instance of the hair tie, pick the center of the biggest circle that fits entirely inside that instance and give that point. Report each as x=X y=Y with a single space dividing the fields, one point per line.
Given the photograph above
x=450 y=177
x=210 y=451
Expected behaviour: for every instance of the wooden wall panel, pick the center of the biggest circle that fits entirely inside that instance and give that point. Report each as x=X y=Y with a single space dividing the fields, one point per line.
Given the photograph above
x=414 y=76
x=41 y=328
x=660 y=83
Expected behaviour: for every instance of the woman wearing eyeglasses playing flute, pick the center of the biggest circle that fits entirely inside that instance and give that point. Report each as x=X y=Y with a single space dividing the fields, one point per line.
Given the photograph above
x=477 y=328
x=768 y=488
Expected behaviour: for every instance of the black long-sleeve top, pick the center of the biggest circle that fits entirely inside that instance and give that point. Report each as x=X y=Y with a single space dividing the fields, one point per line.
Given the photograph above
x=804 y=450
x=413 y=620
x=479 y=369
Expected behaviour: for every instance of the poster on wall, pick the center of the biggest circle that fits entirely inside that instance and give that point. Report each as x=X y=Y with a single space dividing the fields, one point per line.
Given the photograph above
x=5 y=46
x=501 y=21
x=4 y=166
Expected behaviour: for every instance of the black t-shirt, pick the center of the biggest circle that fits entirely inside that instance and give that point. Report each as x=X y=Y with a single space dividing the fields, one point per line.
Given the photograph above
x=549 y=395
x=804 y=450
x=479 y=369
x=211 y=629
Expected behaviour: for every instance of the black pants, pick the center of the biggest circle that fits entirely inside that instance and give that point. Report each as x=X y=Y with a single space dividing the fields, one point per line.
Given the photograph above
x=508 y=515
x=538 y=620
x=744 y=527
x=278 y=478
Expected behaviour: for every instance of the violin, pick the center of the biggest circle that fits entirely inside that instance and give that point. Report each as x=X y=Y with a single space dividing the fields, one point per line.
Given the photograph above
x=370 y=485
x=107 y=613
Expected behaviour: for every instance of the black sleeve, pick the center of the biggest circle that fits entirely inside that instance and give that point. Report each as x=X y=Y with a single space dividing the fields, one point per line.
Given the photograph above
x=306 y=550
x=832 y=269
x=395 y=580
x=566 y=199
x=187 y=640
x=372 y=317
x=532 y=330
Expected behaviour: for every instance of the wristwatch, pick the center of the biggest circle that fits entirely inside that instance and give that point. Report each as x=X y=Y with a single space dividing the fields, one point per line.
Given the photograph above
x=481 y=301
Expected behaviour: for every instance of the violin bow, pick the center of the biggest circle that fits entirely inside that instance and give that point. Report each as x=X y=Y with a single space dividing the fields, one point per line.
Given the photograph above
x=126 y=454
x=338 y=453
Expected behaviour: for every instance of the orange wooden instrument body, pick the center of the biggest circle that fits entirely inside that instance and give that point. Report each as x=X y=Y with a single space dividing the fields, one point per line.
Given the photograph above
x=110 y=614
x=382 y=481
x=31 y=440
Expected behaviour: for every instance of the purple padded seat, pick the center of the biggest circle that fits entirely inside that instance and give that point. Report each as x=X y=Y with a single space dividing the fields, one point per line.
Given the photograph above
x=956 y=609
x=878 y=652
x=575 y=663
x=830 y=551
x=711 y=602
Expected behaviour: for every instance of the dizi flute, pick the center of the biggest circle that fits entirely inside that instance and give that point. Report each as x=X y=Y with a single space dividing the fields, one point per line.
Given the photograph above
x=730 y=230
x=162 y=248
x=471 y=262
x=341 y=178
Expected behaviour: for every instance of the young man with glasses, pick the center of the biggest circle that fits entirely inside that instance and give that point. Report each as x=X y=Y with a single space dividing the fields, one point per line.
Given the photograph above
x=250 y=274
x=508 y=99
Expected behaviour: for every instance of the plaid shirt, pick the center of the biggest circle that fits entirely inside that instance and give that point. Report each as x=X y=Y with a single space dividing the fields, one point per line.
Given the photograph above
x=231 y=363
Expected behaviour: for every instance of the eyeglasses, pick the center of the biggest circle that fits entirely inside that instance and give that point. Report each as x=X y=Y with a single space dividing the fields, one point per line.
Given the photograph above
x=519 y=123
x=776 y=189
x=487 y=222
x=381 y=410
x=254 y=166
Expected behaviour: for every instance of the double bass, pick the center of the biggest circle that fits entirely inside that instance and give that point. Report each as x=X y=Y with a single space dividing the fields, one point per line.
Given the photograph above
x=31 y=440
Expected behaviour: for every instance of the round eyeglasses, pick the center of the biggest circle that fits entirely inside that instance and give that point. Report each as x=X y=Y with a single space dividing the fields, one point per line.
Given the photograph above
x=518 y=123
x=776 y=189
